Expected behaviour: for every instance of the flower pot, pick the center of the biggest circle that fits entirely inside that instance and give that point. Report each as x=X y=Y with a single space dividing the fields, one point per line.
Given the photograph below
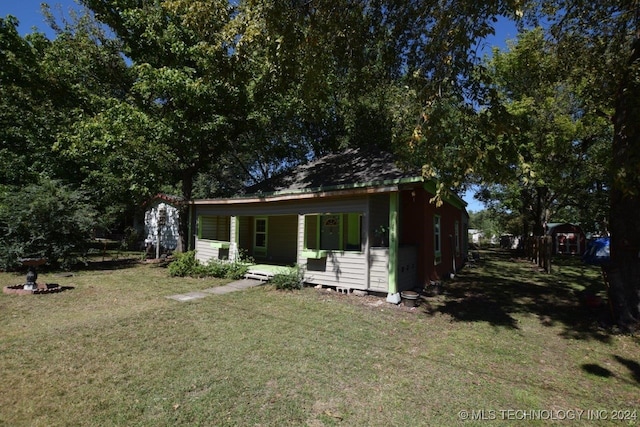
x=409 y=298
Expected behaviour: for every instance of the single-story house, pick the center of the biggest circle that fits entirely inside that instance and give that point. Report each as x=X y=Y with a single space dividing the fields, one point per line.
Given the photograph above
x=568 y=239
x=351 y=220
x=162 y=223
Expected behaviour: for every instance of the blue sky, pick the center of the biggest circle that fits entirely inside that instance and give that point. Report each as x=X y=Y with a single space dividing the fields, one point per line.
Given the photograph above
x=29 y=14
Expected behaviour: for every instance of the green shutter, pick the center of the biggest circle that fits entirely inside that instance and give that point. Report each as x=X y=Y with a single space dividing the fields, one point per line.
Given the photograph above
x=353 y=229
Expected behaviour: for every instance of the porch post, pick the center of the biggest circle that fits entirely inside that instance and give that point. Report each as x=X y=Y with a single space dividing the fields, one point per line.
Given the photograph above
x=190 y=236
x=234 y=253
x=393 y=296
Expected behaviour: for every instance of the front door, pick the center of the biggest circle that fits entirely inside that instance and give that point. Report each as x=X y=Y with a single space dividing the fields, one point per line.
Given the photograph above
x=330 y=232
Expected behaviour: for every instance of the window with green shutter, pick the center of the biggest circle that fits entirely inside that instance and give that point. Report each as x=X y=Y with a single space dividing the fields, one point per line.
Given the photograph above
x=342 y=231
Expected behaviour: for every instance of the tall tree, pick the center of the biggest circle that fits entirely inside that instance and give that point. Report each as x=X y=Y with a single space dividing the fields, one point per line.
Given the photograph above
x=597 y=46
x=557 y=140
x=88 y=81
x=182 y=87
x=28 y=119
x=45 y=86
x=177 y=110
x=605 y=36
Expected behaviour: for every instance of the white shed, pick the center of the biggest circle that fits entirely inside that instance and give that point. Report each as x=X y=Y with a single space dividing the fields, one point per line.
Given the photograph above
x=162 y=220
x=475 y=235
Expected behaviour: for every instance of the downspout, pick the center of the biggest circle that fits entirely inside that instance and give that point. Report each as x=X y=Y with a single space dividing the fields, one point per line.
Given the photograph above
x=453 y=255
x=393 y=295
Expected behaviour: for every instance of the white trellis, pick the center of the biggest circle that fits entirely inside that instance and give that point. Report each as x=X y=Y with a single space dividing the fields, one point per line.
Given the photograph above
x=162 y=224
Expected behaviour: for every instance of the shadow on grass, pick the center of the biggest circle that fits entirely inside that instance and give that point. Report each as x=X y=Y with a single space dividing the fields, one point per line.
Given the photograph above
x=597 y=370
x=106 y=265
x=502 y=286
x=633 y=366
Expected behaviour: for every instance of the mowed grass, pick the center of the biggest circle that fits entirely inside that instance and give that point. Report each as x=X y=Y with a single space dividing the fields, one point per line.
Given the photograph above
x=114 y=351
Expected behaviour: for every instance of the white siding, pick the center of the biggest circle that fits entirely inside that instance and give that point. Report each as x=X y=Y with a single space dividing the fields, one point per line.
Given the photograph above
x=379 y=269
x=233 y=249
x=344 y=269
x=339 y=268
x=204 y=250
x=300 y=238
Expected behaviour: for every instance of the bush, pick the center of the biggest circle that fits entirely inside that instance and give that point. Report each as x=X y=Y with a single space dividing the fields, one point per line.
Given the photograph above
x=236 y=270
x=214 y=268
x=186 y=264
x=292 y=279
x=45 y=219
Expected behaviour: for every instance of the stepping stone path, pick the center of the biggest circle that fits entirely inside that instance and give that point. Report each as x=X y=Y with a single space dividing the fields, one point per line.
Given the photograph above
x=238 y=285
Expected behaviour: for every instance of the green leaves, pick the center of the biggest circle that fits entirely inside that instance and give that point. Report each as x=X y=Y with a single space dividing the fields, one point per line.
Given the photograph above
x=44 y=219
x=549 y=125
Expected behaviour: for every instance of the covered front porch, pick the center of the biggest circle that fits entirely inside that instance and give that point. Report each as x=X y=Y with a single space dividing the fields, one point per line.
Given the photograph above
x=265 y=239
x=344 y=243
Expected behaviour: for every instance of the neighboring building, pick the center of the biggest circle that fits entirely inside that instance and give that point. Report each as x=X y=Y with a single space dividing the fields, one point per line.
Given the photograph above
x=475 y=236
x=509 y=241
x=568 y=239
x=352 y=220
x=162 y=218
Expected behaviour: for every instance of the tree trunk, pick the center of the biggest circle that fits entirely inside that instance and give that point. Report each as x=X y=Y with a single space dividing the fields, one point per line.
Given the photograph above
x=624 y=275
x=540 y=213
x=524 y=217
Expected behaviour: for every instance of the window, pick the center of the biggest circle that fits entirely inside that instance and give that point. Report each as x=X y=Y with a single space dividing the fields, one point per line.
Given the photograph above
x=341 y=231
x=214 y=228
x=437 y=241
x=260 y=236
x=457 y=232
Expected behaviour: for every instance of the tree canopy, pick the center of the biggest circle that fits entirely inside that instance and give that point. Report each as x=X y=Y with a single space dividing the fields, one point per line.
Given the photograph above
x=555 y=166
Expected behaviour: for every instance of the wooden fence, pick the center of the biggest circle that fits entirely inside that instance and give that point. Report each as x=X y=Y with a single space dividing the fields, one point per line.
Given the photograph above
x=538 y=249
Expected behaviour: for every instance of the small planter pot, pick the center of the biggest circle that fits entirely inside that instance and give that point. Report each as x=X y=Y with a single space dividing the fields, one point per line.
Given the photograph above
x=409 y=298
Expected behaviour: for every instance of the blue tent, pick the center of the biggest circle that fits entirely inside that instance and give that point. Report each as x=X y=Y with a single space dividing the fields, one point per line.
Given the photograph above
x=597 y=252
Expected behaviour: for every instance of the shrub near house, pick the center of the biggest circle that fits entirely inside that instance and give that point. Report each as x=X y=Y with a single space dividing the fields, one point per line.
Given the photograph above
x=185 y=264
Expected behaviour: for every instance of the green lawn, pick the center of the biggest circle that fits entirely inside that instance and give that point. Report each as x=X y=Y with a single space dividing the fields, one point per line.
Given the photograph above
x=503 y=338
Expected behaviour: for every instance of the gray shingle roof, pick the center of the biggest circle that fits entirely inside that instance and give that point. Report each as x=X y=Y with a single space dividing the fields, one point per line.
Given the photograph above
x=352 y=166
